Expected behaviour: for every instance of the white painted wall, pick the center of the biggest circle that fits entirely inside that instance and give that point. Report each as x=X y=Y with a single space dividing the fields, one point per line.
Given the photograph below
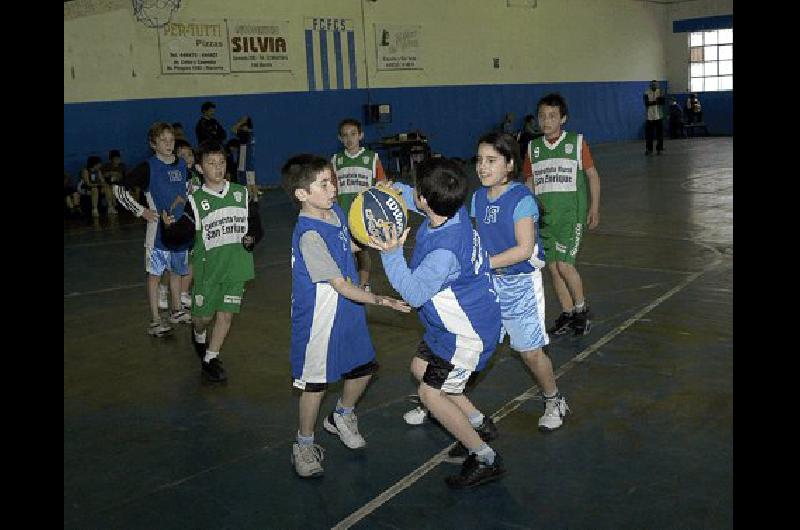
x=110 y=56
x=676 y=45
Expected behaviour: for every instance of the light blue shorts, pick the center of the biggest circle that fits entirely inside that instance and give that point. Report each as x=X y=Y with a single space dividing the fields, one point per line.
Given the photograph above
x=522 y=309
x=157 y=260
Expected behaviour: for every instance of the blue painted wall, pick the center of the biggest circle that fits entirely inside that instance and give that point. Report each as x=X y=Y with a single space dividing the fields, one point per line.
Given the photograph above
x=452 y=117
x=717 y=111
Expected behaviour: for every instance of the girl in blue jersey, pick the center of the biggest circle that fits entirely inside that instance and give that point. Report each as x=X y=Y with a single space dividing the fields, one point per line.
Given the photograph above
x=448 y=282
x=330 y=339
x=506 y=216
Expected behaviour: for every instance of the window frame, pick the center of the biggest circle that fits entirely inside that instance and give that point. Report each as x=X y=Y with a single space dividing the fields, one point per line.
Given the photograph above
x=710 y=68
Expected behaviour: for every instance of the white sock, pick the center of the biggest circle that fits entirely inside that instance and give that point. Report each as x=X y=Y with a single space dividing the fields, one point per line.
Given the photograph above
x=200 y=337
x=305 y=440
x=210 y=355
x=475 y=419
x=485 y=454
x=580 y=307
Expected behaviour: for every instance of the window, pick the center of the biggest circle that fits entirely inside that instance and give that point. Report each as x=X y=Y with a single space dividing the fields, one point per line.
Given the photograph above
x=711 y=60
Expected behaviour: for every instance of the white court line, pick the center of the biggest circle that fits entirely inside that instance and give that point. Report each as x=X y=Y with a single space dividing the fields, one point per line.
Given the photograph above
x=511 y=406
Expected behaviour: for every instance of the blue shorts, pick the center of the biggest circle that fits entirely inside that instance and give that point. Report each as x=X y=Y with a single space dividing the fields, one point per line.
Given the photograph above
x=522 y=310
x=157 y=260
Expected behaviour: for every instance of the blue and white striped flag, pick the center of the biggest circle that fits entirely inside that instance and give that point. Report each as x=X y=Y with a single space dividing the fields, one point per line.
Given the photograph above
x=331 y=53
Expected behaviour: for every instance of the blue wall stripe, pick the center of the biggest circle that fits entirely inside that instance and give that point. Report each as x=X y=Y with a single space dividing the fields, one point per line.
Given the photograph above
x=351 y=54
x=323 y=58
x=702 y=23
x=603 y=111
x=337 y=50
x=312 y=85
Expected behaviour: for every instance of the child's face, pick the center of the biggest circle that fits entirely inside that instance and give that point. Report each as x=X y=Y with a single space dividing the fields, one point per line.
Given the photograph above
x=188 y=156
x=491 y=166
x=551 y=120
x=350 y=137
x=164 y=144
x=213 y=165
x=116 y=161
x=320 y=194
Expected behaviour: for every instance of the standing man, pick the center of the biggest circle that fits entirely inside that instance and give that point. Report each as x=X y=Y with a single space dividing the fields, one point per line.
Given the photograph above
x=208 y=128
x=653 y=101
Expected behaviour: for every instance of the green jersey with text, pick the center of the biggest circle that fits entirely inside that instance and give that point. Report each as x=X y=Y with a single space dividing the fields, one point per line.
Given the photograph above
x=559 y=181
x=353 y=174
x=221 y=223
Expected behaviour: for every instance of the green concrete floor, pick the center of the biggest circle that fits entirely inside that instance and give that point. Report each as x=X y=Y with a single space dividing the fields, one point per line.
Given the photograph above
x=649 y=444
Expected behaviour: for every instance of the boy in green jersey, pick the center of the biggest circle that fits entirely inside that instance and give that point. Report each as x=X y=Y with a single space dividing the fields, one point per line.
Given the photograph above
x=559 y=170
x=225 y=226
x=357 y=168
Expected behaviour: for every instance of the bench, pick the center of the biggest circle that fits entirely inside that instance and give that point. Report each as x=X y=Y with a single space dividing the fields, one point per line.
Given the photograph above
x=692 y=128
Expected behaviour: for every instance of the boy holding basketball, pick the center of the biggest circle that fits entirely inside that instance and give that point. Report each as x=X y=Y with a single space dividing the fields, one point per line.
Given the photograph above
x=448 y=282
x=330 y=340
x=356 y=169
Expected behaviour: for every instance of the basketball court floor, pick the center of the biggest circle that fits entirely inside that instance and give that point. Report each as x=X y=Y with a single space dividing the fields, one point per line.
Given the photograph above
x=148 y=444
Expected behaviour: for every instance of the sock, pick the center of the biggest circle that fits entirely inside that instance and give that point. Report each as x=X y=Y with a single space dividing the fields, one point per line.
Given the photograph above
x=485 y=454
x=200 y=337
x=555 y=394
x=341 y=409
x=210 y=355
x=580 y=307
x=476 y=419
x=305 y=440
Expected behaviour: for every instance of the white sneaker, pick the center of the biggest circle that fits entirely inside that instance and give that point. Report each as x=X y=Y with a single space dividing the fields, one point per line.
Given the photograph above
x=186 y=300
x=180 y=316
x=95 y=213
x=416 y=416
x=554 y=411
x=163 y=297
x=307 y=460
x=346 y=427
x=158 y=329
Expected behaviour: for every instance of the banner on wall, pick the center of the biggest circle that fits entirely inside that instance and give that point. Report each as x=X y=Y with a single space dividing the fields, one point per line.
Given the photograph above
x=330 y=53
x=398 y=47
x=259 y=46
x=194 y=47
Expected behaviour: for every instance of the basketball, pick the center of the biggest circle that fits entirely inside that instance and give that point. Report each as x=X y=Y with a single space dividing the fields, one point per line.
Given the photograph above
x=374 y=208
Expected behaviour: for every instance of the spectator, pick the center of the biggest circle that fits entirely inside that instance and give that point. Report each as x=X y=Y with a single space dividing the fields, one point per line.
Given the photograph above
x=675 y=120
x=180 y=135
x=246 y=168
x=654 y=127
x=530 y=131
x=114 y=170
x=231 y=159
x=208 y=128
x=694 y=112
x=71 y=196
x=93 y=182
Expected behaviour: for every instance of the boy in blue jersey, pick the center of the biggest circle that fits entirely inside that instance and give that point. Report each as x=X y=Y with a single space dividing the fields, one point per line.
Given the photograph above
x=163 y=179
x=506 y=216
x=330 y=339
x=448 y=282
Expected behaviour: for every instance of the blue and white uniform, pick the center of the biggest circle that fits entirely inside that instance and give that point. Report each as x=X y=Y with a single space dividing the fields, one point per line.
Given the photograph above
x=329 y=331
x=518 y=285
x=448 y=281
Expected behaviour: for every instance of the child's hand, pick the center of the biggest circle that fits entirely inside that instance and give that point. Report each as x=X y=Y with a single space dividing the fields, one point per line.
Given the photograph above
x=385 y=183
x=167 y=218
x=248 y=242
x=150 y=215
x=390 y=240
x=397 y=305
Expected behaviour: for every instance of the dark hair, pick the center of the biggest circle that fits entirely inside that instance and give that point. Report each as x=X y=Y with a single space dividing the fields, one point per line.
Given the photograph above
x=554 y=100
x=529 y=118
x=157 y=130
x=443 y=183
x=93 y=161
x=300 y=171
x=180 y=142
x=506 y=145
x=113 y=153
x=350 y=121
x=177 y=125
x=208 y=147
x=207 y=105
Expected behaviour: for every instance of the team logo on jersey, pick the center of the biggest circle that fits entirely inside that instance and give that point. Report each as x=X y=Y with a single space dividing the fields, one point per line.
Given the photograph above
x=568 y=149
x=339 y=160
x=237 y=195
x=365 y=159
x=198 y=300
x=536 y=152
x=205 y=205
x=491 y=214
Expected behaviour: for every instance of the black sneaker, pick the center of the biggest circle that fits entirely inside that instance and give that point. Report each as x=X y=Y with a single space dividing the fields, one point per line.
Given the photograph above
x=199 y=349
x=474 y=473
x=487 y=431
x=581 y=323
x=213 y=370
x=563 y=324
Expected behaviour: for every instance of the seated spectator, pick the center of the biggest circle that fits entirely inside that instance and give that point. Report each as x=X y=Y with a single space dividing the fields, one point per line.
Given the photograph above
x=114 y=170
x=693 y=109
x=71 y=196
x=92 y=183
x=675 y=120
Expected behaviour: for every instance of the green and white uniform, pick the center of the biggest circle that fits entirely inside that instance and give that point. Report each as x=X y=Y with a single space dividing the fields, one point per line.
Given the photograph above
x=560 y=186
x=353 y=174
x=220 y=262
